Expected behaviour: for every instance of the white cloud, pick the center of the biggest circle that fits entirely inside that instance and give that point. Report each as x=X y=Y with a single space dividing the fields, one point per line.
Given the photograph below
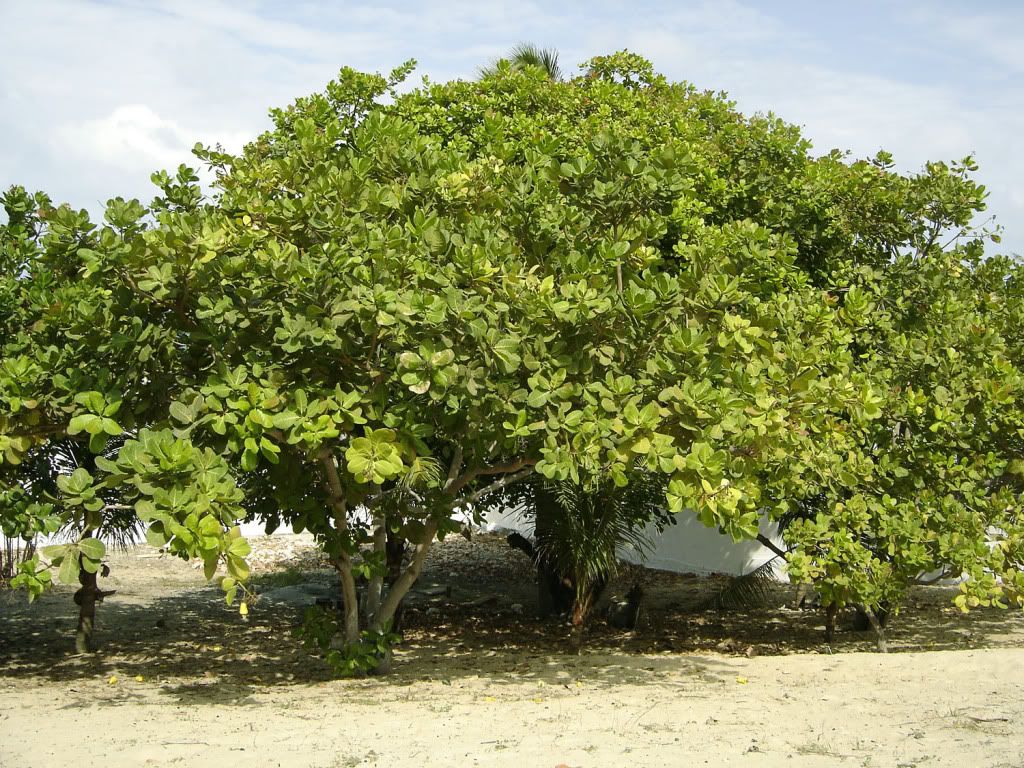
x=134 y=136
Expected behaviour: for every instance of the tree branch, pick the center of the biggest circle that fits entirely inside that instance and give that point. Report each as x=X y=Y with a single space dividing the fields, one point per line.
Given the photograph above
x=496 y=485
x=497 y=469
x=765 y=541
x=455 y=468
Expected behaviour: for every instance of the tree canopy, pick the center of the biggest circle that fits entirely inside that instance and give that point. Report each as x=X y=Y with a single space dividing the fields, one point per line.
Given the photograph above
x=390 y=308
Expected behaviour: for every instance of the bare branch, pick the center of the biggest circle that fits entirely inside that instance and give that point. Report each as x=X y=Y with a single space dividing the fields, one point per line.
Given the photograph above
x=765 y=541
x=496 y=485
x=455 y=468
x=497 y=469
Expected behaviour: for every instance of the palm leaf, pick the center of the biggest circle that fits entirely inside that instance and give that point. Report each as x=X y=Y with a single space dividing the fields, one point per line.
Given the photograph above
x=749 y=590
x=528 y=55
x=591 y=525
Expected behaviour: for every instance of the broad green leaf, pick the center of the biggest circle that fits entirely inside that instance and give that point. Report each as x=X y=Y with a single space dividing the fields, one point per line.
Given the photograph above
x=92 y=548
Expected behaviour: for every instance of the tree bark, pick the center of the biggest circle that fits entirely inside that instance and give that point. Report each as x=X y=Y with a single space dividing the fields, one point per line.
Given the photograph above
x=86 y=599
x=343 y=563
x=405 y=581
x=375 y=589
x=883 y=646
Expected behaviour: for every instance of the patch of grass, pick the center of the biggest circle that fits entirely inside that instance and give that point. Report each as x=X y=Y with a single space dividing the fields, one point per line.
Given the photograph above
x=818 y=748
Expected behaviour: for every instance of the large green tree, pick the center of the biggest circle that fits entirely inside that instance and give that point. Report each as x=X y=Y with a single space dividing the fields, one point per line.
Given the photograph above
x=933 y=476
x=388 y=311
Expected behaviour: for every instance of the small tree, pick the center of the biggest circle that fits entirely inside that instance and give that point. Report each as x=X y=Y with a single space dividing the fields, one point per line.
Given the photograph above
x=79 y=380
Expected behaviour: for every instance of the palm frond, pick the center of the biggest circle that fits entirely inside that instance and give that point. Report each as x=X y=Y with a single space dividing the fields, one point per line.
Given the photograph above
x=749 y=590
x=120 y=527
x=424 y=470
x=591 y=524
x=527 y=55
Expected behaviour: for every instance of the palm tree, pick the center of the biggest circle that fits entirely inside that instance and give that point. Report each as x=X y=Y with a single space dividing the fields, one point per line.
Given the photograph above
x=578 y=531
x=527 y=55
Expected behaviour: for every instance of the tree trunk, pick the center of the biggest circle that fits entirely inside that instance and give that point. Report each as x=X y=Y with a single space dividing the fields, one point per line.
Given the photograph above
x=580 y=610
x=86 y=599
x=395 y=546
x=831 y=611
x=350 y=599
x=375 y=589
x=883 y=646
x=397 y=591
x=405 y=581
x=343 y=564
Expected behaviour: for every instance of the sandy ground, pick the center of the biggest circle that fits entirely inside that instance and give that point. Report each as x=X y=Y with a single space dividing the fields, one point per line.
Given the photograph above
x=182 y=679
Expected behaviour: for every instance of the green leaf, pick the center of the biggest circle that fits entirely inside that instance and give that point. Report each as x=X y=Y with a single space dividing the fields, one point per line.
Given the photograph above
x=442 y=358
x=237 y=567
x=210 y=565
x=92 y=548
x=506 y=349
x=181 y=412
x=86 y=422
x=53 y=551
x=239 y=548
x=155 y=536
x=110 y=427
x=68 y=573
x=642 y=446
x=286 y=420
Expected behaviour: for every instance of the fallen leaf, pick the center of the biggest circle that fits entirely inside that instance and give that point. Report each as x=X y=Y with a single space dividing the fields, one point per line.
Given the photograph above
x=112 y=680
x=742 y=680
x=139 y=678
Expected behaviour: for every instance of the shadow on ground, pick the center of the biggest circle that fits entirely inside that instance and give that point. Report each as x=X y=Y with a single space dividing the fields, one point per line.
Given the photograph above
x=166 y=624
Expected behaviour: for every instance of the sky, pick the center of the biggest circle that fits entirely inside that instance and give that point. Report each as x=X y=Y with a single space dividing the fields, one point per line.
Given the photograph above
x=95 y=95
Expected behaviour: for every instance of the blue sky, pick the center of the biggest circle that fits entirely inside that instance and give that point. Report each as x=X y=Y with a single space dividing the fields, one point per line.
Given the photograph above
x=95 y=95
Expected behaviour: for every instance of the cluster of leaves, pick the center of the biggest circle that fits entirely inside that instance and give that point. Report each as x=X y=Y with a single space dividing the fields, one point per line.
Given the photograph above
x=88 y=369
x=319 y=634
x=387 y=312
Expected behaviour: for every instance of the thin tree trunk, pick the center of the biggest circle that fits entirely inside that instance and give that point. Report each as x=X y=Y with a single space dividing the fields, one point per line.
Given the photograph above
x=883 y=646
x=831 y=612
x=349 y=598
x=580 y=611
x=375 y=590
x=397 y=591
x=86 y=599
x=405 y=581
x=343 y=564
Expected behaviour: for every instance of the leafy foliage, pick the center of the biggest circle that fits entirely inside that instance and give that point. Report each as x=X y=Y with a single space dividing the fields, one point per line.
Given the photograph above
x=387 y=312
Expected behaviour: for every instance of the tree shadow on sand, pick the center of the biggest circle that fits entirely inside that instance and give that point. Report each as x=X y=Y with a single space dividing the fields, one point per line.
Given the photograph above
x=202 y=651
